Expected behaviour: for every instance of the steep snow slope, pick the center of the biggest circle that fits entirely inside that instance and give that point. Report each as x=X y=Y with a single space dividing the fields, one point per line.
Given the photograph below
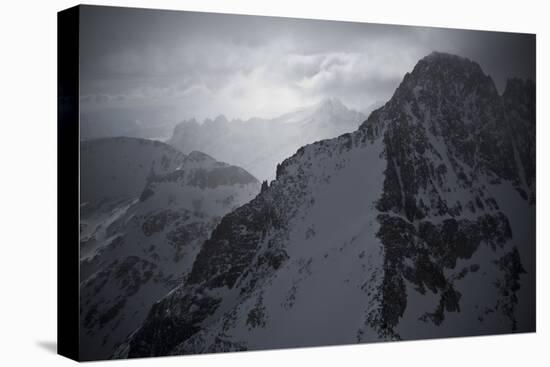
x=147 y=246
x=419 y=224
x=258 y=145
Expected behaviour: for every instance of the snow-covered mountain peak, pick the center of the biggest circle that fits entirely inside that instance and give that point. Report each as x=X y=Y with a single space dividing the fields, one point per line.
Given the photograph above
x=446 y=63
x=117 y=168
x=447 y=76
x=146 y=208
x=196 y=156
x=420 y=224
x=443 y=57
x=448 y=94
x=331 y=105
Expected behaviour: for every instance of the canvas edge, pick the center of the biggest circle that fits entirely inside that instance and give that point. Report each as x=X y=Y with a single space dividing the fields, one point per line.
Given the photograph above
x=68 y=183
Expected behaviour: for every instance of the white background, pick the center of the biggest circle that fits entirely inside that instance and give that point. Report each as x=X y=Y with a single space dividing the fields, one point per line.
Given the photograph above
x=28 y=182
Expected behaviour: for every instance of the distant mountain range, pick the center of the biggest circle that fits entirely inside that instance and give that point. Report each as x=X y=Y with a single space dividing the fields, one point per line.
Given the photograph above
x=258 y=145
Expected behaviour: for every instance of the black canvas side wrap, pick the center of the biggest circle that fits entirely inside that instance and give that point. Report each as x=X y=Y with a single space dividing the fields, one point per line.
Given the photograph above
x=68 y=182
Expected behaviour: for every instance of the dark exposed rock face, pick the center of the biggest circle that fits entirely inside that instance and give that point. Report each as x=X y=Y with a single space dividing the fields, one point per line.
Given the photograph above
x=455 y=154
x=430 y=249
x=173 y=319
x=519 y=103
x=446 y=100
x=510 y=264
x=446 y=116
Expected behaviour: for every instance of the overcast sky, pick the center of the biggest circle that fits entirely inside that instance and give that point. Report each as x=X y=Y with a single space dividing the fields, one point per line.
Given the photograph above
x=188 y=64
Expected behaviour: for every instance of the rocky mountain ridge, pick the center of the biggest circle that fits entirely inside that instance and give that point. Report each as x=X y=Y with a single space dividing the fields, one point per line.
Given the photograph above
x=419 y=224
x=136 y=247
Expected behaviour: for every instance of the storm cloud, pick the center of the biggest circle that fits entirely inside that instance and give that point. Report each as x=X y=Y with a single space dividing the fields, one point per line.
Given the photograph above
x=172 y=66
